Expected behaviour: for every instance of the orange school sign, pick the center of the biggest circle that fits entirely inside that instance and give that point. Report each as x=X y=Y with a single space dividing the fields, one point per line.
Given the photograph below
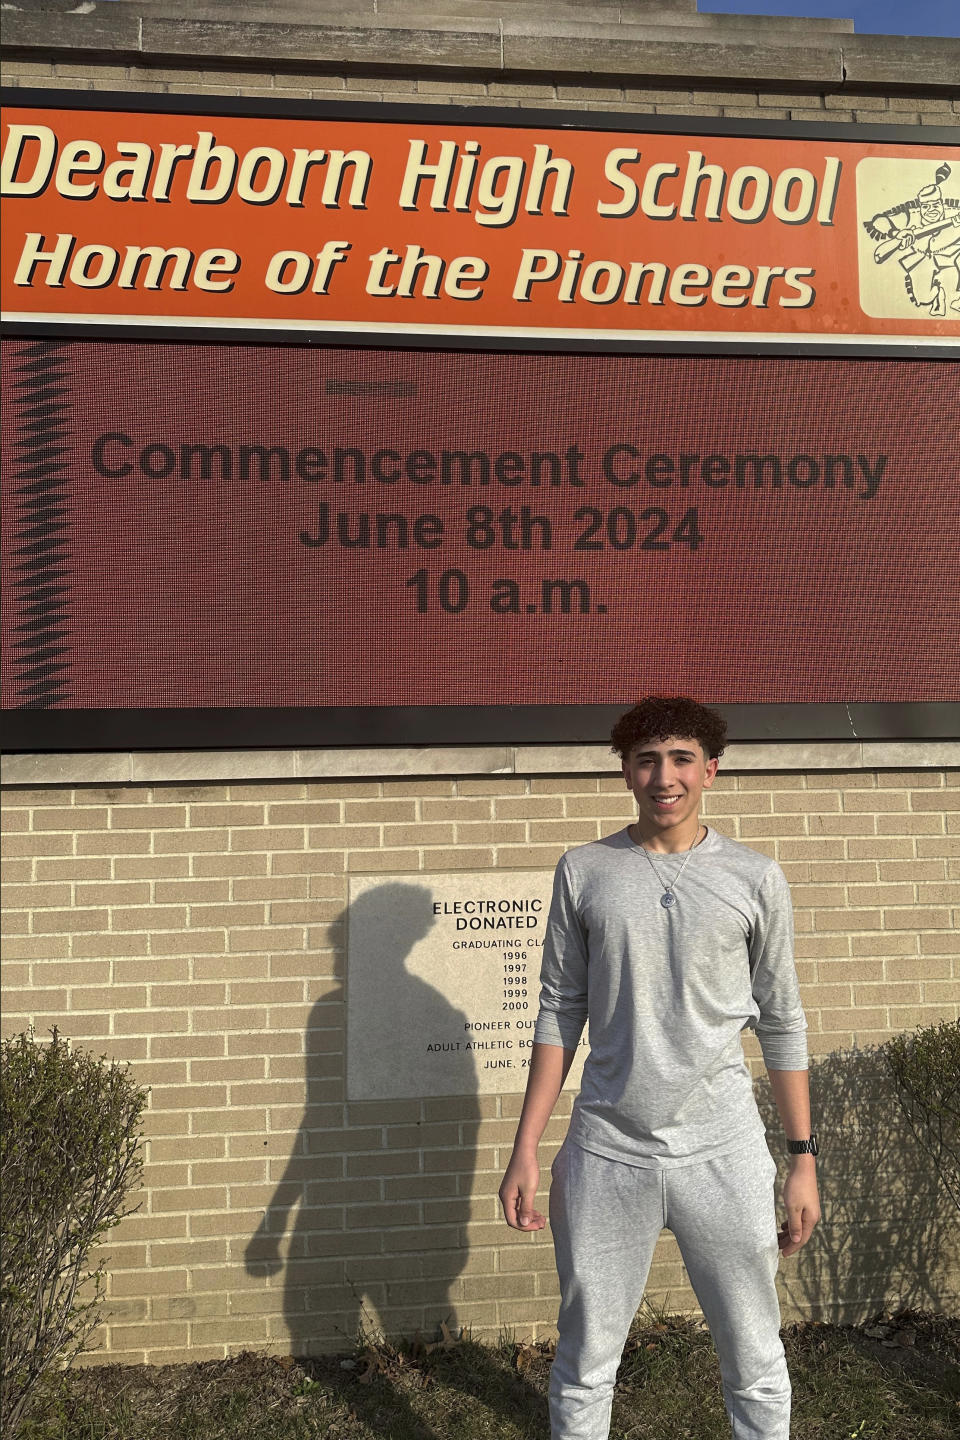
x=476 y=229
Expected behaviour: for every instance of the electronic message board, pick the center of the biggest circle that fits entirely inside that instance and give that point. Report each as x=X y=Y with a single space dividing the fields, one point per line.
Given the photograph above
x=250 y=526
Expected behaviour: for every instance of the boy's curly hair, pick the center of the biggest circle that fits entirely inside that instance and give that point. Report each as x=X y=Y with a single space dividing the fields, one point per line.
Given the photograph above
x=659 y=717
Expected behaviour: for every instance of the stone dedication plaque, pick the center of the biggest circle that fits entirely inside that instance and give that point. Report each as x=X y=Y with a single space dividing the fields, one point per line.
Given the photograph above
x=443 y=983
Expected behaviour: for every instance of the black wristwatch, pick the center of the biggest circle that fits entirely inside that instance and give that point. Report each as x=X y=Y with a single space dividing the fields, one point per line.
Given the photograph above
x=803 y=1147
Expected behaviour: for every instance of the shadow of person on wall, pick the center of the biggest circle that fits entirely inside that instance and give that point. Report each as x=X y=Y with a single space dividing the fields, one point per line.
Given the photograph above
x=375 y=1197
x=886 y=1240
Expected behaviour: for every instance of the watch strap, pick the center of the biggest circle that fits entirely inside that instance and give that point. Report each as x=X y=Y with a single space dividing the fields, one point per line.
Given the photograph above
x=803 y=1147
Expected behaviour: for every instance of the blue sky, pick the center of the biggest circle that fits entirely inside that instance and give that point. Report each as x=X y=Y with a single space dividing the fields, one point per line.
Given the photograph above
x=877 y=17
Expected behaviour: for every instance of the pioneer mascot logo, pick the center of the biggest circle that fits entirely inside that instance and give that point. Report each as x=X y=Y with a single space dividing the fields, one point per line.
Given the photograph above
x=917 y=247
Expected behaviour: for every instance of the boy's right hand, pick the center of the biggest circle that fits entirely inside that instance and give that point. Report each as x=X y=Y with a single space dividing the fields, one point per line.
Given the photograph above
x=518 y=1191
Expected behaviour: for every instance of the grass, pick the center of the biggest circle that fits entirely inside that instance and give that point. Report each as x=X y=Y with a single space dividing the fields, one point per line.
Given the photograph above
x=897 y=1379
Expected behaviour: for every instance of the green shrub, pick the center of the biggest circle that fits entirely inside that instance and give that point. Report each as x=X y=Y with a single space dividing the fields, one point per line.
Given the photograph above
x=69 y=1156
x=926 y=1069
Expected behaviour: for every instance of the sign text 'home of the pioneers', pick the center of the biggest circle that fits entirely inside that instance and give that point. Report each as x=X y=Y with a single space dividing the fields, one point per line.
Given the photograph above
x=300 y=223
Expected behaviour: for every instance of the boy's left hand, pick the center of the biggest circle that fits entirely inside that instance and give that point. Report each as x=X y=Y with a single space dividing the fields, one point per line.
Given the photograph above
x=802 y=1203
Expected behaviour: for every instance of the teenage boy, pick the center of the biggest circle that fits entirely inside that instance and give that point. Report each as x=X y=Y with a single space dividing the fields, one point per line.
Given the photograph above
x=670 y=939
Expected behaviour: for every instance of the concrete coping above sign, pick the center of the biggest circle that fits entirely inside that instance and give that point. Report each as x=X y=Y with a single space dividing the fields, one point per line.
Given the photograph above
x=198 y=766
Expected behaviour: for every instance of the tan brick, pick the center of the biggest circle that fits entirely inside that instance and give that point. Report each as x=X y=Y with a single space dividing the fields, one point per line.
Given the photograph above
x=38 y=796
x=20 y=871
x=320 y=862
x=939 y=801
x=189 y=1047
x=338 y=837
x=946 y=892
x=848 y=971
x=773 y=825
x=916 y=918
x=914 y=824
x=31 y=1002
x=850 y=872
x=819 y=895
x=880 y=849
x=152 y=918
x=417 y=788
x=910 y=779
x=70 y=818
x=340 y=790
x=418 y=834
x=269 y=838
x=190 y=794
x=134 y=1049
x=33 y=844
x=36 y=947
x=379 y=812
x=188 y=942
x=528 y=857
x=571 y=784
x=114 y=893
x=150 y=867
x=942 y=993
x=231 y=865
x=309 y=812
x=151 y=1022
x=459 y=859
x=113 y=842
x=495 y=832
x=848 y=920
x=71 y=867
x=38 y=897
x=148 y=817
x=529 y=807
x=383 y=861
x=266 y=939
x=842 y=824
x=892 y=944
x=192 y=891
x=810 y=849
x=266 y=992
x=944 y=943
x=816 y=947
x=917 y=967
x=881 y=894
x=137 y=1338
x=849 y=1020
x=320 y=970
x=565 y=832
x=108 y=997
x=458 y=809
x=905 y=992
x=58 y=972
x=227 y=815
x=66 y=922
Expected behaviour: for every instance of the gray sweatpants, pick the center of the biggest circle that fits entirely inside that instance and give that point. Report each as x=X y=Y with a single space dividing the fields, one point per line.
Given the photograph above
x=606 y=1217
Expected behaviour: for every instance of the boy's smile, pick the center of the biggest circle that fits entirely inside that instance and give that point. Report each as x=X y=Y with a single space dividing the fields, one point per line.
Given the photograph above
x=667 y=778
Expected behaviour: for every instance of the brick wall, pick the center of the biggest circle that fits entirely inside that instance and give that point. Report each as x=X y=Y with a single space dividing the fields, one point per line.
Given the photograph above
x=198 y=933
x=317 y=83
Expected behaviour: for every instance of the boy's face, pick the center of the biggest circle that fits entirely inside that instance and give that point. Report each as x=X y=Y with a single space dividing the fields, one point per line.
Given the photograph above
x=667 y=778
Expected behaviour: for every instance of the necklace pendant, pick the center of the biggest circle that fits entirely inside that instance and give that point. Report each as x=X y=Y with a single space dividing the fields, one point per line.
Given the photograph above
x=667 y=899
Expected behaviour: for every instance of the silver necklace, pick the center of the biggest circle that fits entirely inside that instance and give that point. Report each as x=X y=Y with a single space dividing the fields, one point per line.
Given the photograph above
x=668 y=897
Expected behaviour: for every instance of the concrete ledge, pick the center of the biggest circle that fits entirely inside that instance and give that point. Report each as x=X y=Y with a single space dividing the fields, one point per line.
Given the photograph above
x=215 y=766
x=665 y=41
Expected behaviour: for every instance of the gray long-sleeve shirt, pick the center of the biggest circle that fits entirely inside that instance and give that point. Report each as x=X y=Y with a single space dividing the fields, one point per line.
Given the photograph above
x=667 y=993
